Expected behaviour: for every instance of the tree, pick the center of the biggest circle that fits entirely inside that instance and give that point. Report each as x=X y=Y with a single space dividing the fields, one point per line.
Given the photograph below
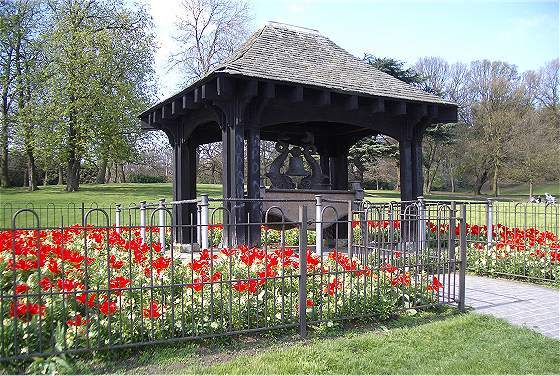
x=435 y=140
x=369 y=150
x=100 y=55
x=394 y=68
x=208 y=31
x=434 y=73
x=6 y=81
x=19 y=37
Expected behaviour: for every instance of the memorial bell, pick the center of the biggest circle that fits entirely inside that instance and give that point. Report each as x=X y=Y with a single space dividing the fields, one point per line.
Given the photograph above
x=295 y=164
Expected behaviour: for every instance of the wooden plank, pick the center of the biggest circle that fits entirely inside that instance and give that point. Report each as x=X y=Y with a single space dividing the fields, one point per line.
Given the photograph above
x=250 y=88
x=224 y=86
x=296 y=94
x=197 y=95
x=351 y=103
x=188 y=101
x=323 y=98
x=209 y=90
x=377 y=105
x=269 y=90
x=399 y=108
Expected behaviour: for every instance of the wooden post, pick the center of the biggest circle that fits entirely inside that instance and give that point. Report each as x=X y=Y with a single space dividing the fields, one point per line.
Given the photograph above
x=405 y=158
x=184 y=188
x=254 y=185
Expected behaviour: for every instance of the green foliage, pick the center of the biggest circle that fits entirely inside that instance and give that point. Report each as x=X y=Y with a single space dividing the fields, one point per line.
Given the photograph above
x=145 y=178
x=394 y=68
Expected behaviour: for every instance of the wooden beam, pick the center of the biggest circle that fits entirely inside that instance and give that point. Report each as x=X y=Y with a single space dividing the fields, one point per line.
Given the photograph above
x=166 y=111
x=351 y=103
x=209 y=90
x=447 y=114
x=224 y=86
x=269 y=90
x=250 y=88
x=433 y=111
x=296 y=94
x=197 y=95
x=398 y=108
x=323 y=98
x=419 y=109
x=188 y=101
x=377 y=105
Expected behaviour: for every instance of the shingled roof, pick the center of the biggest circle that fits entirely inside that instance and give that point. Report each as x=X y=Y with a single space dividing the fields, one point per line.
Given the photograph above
x=292 y=54
x=297 y=56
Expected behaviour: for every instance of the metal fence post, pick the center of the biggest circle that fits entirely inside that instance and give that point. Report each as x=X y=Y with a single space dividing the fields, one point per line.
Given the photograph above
x=161 y=213
x=204 y=221
x=350 y=230
x=143 y=221
x=489 y=221
x=318 y=224
x=302 y=307
x=421 y=222
x=463 y=265
x=391 y=226
x=452 y=234
x=118 y=218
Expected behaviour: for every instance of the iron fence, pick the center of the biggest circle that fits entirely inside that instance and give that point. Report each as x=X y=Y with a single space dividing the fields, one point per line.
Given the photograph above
x=514 y=239
x=134 y=275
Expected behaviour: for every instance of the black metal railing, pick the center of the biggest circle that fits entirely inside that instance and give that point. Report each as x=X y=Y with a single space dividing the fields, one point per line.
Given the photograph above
x=133 y=275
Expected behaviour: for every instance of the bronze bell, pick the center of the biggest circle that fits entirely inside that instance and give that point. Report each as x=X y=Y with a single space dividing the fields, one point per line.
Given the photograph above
x=295 y=165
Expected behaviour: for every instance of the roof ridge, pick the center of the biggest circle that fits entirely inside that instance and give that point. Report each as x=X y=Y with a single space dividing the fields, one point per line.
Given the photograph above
x=287 y=26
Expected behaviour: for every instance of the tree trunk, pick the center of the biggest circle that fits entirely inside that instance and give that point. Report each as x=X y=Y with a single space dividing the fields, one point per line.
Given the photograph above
x=4 y=178
x=109 y=173
x=73 y=175
x=495 y=189
x=480 y=180
x=32 y=175
x=530 y=188
x=46 y=177
x=102 y=171
x=60 y=175
x=452 y=183
x=25 y=181
x=123 y=176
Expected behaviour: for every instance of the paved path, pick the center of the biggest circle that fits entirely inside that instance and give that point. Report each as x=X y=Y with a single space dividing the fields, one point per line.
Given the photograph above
x=519 y=303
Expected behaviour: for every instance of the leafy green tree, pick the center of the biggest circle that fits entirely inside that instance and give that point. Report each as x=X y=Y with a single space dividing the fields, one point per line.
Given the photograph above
x=100 y=61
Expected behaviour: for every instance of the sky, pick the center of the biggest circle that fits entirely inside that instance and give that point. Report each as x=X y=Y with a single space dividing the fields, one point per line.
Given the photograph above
x=524 y=33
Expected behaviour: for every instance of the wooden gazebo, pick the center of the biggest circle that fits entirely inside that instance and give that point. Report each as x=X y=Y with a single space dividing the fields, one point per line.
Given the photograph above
x=292 y=84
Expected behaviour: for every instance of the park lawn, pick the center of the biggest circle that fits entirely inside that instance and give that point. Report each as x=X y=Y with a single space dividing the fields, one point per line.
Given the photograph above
x=107 y=195
x=102 y=194
x=459 y=344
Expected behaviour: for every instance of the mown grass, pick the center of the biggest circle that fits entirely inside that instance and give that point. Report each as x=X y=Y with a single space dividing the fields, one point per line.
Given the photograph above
x=107 y=195
x=425 y=344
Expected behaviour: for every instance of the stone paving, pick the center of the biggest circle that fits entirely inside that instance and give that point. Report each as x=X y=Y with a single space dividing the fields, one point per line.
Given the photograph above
x=519 y=303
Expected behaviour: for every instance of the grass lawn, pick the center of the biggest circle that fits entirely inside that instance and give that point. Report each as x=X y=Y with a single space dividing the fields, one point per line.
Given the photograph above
x=107 y=195
x=421 y=344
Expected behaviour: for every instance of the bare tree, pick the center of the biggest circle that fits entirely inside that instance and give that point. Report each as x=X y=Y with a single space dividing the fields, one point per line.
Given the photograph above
x=434 y=72
x=207 y=32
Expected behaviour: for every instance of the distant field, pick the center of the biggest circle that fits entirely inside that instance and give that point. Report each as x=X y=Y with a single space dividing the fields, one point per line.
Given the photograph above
x=523 y=189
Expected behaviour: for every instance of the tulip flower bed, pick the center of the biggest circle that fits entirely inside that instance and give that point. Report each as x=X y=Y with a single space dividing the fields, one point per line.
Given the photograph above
x=73 y=289
x=526 y=253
